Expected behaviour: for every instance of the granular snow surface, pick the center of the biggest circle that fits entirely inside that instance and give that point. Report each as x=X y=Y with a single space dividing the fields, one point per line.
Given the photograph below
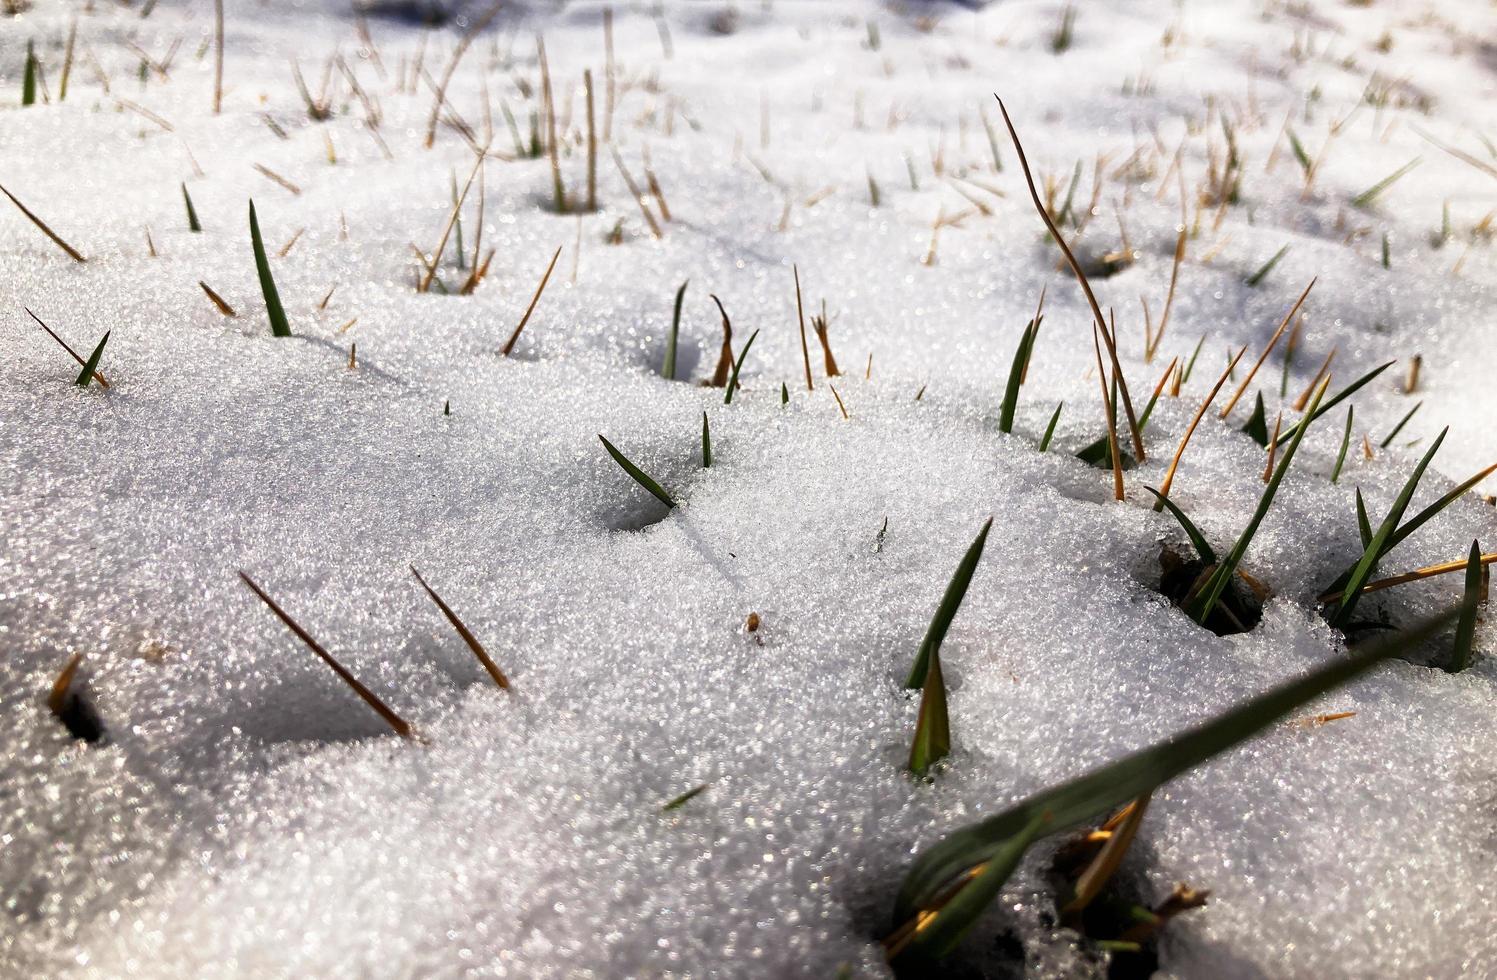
x=248 y=816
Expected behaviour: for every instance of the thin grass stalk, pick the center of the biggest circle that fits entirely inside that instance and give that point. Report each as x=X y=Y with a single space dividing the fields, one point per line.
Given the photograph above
x=467 y=634
x=509 y=345
x=1272 y=343
x=398 y=724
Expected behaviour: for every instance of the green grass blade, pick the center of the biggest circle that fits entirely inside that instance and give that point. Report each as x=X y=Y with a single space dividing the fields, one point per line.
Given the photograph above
x=1016 y=378
x=1191 y=364
x=738 y=366
x=933 y=728
x=1299 y=153
x=1197 y=539
x=87 y=374
x=784 y=394
x=1388 y=441
x=1345 y=441
x=1257 y=426
x=1465 y=627
x=951 y=601
x=994 y=840
x=278 y=325
x=28 y=79
x=1337 y=399
x=1267 y=267
x=1202 y=605
x=1378 y=546
x=638 y=475
x=706 y=444
x=685 y=798
x=1050 y=429
x=1372 y=193
x=668 y=370
x=1427 y=514
x=1364 y=526
x=192 y=215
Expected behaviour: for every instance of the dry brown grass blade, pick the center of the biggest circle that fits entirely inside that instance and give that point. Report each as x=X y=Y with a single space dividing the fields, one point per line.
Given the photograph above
x=447 y=73
x=509 y=345
x=800 y=313
x=1123 y=828
x=57 y=700
x=1169 y=477
x=725 y=355
x=1112 y=429
x=98 y=375
x=1304 y=396
x=639 y=198
x=1273 y=447
x=1086 y=287
x=821 y=325
x=218 y=300
x=1169 y=299
x=840 y=403
x=218 y=56
x=1273 y=342
x=1429 y=571
x=400 y=726
x=73 y=253
x=465 y=633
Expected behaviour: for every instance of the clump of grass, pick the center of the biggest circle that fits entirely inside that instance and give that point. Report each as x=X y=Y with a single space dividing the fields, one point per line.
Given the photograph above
x=636 y=474
x=1388 y=534
x=668 y=369
x=1203 y=599
x=952 y=882
x=397 y=724
x=90 y=368
x=72 y=708
x=467 y=634
x=509 y=345
x=41 y=225
x=279 y=327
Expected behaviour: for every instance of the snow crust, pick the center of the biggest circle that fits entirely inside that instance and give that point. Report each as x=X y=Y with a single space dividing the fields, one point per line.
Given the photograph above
x=250 y=817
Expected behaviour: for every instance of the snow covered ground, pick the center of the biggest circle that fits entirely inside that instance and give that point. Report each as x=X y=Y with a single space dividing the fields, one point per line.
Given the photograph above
x=248 y=816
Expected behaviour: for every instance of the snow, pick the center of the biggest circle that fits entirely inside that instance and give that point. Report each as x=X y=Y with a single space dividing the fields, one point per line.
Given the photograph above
x=248 y=816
